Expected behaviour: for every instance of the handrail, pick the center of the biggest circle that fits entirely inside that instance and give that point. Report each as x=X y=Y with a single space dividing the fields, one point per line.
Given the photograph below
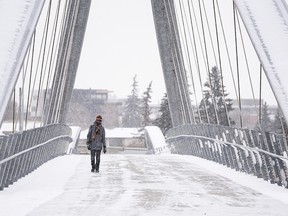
x=259 y=153
x=21 y=153
x=231 y=144
x=34 y=147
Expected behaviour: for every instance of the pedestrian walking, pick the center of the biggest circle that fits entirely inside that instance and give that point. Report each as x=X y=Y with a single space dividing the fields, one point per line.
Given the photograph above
x=95 y=142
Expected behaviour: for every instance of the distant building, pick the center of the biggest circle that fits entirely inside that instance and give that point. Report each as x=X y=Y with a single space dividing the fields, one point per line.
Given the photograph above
x=249 y=112
x=90 y=96
x=85 y=104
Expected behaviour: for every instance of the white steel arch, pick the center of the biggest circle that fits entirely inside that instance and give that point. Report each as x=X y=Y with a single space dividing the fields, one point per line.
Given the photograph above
x=18 y=19
x=267 y=24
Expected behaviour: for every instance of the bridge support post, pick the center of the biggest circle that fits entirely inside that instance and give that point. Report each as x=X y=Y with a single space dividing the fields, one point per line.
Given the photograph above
x=68 y=59
x=172 y=62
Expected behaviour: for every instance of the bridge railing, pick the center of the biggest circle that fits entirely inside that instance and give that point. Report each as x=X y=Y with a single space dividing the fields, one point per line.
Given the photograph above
x=259 y=153
x=21 y=153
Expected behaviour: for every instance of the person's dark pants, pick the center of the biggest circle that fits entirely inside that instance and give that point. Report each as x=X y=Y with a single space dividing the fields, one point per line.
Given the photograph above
x=95 y=153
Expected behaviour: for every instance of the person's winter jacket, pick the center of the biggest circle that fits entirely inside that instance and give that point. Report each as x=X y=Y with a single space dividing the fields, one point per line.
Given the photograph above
x=96 y=137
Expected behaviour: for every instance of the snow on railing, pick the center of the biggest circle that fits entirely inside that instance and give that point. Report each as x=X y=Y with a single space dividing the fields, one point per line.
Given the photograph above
x=21 y=153
x=155 y=140
x=259 y=153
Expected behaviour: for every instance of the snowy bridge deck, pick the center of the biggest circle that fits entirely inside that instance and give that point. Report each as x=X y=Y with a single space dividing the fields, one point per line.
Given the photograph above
x=141 y=185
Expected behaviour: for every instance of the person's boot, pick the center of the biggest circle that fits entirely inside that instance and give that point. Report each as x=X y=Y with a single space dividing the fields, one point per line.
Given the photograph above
x=93 y=169
x=97 y=168
x=93 y=166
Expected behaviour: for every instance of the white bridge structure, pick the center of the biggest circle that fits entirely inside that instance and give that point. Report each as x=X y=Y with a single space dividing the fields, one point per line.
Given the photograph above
x=43 y=39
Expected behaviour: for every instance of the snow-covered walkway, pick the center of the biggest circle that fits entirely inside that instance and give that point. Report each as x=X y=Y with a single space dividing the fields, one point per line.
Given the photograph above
x=141 y=185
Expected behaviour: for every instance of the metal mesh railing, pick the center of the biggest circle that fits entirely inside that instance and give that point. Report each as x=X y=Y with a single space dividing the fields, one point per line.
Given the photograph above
x=259 y=153
x=21 y=153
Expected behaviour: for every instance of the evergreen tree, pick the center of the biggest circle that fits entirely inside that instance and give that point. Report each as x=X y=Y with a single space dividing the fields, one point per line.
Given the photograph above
x=266 y=122
x=279 y=124
x=164 y=122
x=132 y=113
x=145 y=105
x=214 y=95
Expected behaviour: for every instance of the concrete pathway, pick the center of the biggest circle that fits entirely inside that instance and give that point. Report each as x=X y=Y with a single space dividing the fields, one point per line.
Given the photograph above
x=155 y=185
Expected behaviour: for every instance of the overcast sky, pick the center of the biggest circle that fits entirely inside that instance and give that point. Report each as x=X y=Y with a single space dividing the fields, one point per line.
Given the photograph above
x=120 y=42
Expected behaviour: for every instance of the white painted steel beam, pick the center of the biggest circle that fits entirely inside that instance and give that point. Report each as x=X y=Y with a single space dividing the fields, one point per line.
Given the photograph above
x=18 y=19
x=267 y=24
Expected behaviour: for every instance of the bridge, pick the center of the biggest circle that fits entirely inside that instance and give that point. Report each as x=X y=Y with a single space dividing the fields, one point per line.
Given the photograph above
x=141 y=185
x=193 y=42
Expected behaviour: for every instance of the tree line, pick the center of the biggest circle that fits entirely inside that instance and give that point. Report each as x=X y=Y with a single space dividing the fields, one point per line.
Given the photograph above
x=214 y=108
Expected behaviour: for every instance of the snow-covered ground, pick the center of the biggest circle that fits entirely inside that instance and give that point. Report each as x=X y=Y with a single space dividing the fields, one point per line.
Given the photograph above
x=141 y=185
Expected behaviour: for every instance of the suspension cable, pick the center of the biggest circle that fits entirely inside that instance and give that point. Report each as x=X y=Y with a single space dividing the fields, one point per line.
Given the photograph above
x=237 y=63
x=25 y=72
x=227 y=50
x=36 y=69
x=56 y=93
x=197 y=60
x=64 y=72
x=43 y=58
x=260 y=98
x=13 y=114
x=30 y=79
x=219 y=56
x=186 y=55
x=220 y=64
x=207 y=60
x=210 y=34
x=51 y=106
x=51 y=47
x=189 y=61
x=24 y=69
x=184 y=79
x=247 y=66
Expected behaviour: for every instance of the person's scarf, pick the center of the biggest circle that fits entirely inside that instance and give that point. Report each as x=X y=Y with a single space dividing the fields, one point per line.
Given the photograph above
x=96 y=132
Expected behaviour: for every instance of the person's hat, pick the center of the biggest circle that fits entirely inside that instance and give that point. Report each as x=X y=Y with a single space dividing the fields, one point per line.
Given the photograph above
x=99 y=118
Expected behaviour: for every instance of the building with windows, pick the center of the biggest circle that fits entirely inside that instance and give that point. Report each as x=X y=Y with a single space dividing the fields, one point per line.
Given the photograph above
x=249 y=112
x=85 y=104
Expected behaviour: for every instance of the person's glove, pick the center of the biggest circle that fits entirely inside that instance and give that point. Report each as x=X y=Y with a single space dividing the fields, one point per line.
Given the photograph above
x=88 y=145
x=104 y=150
